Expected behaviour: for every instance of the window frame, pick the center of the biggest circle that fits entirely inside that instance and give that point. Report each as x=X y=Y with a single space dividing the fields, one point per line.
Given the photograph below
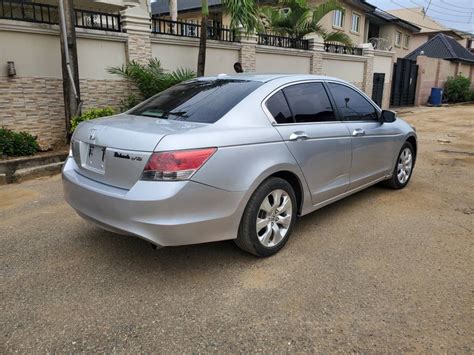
x=398 y=43
x=334 y=18
x=406 y=41
x=359 y=16
x=273 y=92
x=377 y=109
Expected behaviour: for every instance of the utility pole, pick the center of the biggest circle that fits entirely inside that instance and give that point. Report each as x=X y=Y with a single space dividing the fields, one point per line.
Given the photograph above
x=70 y=67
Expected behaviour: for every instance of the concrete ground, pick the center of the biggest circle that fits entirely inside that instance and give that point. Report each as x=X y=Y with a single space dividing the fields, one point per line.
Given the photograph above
x=382 y=271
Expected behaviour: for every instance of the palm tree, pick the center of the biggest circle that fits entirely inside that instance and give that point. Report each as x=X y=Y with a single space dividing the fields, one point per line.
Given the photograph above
x=297 y=18
x=244 y=13
x=173 y=6
x=151 y=78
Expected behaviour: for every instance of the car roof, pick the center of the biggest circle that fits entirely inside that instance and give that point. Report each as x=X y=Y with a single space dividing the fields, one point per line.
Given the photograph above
x=269 y=77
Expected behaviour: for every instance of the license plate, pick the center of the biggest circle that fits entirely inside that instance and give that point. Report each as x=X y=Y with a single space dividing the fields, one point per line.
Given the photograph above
x=95 y=158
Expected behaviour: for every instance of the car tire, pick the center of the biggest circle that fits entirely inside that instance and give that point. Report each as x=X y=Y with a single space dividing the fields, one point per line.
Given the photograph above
x=268 y=218
x=402 y=172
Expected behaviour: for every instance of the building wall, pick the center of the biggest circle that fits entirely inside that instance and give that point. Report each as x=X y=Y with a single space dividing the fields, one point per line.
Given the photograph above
x=433 y=72
x=293 y=61
x=33 y=99
x=389 y=32
x=175 y=53
x=327 y=21
x=383 y=63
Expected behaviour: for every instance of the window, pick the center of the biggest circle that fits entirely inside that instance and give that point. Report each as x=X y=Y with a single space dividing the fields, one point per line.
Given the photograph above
x=338 y=19
x=406 y=43
x=204 y=101
x=398 y=39
x=279 y=109
x=309 y=102
x=352 y=105
x=355 y=27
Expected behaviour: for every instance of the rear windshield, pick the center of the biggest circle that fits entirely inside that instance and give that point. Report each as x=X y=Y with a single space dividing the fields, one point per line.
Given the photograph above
x=203 y=101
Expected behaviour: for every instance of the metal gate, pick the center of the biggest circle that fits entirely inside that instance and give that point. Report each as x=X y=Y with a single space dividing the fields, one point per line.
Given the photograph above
x=405 y=73
x=377 y=88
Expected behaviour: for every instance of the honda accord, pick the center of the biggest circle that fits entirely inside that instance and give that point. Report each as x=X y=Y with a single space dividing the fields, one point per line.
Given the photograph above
x=234 y=157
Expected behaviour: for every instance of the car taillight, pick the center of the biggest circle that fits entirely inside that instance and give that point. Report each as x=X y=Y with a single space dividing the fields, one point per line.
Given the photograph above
x=175 y=165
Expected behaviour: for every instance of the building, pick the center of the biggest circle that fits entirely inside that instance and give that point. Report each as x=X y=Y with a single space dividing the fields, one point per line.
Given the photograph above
x=429 y=28
x=388 y=32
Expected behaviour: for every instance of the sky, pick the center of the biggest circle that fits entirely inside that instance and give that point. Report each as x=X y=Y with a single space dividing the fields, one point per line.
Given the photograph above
x=457 y=14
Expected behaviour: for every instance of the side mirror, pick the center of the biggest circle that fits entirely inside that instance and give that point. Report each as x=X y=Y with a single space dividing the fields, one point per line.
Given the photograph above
x=387 y=116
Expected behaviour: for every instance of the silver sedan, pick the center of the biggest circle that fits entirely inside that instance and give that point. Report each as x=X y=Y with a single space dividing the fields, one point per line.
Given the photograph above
x=234 y=157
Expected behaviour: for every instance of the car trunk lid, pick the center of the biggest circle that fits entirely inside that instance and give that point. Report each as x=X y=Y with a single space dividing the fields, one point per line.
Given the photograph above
x=114 y=150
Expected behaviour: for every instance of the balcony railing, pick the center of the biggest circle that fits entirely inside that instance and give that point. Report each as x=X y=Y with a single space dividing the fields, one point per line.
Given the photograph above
x=191 y=29
x=41 y=13
x=281 y=41
x=341 y=49
x=97 y=20
x=31 y=12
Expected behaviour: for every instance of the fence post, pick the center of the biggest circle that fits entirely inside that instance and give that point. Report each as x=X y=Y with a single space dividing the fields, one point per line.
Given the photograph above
x=316 y=46
x=136 y=23
x=248 y=51
x=368 y=53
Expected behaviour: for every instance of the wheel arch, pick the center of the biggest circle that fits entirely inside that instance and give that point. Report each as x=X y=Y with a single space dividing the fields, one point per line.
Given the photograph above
x=295 y=183
x=412 y=140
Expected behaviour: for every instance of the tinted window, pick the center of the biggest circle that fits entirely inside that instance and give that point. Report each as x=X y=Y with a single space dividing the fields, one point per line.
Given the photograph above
x=309 y=103
x=279 y=109
x=197 y=101
x=352 y=105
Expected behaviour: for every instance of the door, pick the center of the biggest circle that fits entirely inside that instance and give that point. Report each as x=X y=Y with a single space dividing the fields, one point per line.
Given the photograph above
x=405 y=74
x=377 y=88
x=320 y=144
x=373 y=142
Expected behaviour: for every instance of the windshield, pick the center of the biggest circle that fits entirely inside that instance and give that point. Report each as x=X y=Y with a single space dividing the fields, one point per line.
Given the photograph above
x=204 y=101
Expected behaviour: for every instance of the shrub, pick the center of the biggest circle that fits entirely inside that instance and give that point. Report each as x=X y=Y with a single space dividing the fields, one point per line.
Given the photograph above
x=17 y=143
x=456 y=89
x=129 y=102
x=151 y=78
x=90 y=115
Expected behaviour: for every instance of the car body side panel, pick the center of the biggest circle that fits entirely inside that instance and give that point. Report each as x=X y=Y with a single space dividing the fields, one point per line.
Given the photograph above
x=372 y=153
x=324 y=157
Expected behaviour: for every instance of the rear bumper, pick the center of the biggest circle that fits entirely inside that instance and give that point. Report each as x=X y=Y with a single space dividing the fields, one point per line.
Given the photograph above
x=164 y=213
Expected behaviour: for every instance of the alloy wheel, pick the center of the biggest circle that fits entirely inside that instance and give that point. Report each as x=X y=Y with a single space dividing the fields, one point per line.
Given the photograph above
x=405 y=165
x=274 y=218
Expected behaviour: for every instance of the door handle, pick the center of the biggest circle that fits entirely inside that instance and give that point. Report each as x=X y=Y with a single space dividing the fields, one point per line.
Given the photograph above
x=296 y=136
x=358 y=132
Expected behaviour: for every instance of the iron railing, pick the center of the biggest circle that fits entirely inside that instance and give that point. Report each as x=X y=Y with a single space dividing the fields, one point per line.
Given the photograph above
x=41 y=13
x=191 y=29
x=281 y=41
x=341 y=49
x=31 y=12
x=97 y=20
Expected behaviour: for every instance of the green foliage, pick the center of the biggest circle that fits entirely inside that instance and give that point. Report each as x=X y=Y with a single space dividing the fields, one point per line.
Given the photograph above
x=297 y=18
x=244 y=13
x=151 y=78
x=456 y=89
x=90 y=115
x=17 y=143
x=129 y=102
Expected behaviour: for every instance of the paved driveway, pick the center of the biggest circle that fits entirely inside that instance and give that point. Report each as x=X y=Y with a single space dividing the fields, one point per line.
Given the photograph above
x=380 y=271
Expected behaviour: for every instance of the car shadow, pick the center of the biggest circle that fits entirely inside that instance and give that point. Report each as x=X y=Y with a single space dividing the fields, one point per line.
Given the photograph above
x=139 y=254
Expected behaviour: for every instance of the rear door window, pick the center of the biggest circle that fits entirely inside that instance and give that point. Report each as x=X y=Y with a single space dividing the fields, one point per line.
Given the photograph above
x=279 y=109
x=309 y=102
x=204 y=101
x=352 y=105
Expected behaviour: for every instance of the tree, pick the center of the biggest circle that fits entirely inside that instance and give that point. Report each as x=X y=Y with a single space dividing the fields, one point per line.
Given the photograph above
x=244 y=13
x=297 y=18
